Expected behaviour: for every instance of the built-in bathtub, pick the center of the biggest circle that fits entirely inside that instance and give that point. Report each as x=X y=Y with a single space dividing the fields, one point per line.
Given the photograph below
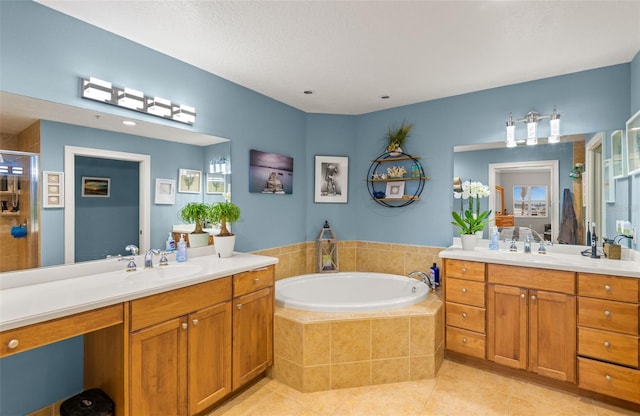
x=394 y=333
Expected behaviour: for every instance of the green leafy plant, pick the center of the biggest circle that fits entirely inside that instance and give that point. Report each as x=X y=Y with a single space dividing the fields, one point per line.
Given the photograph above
x=397 y=136
x=197 y=212
x=470 y=224
x=223 y=213
x=468 y=221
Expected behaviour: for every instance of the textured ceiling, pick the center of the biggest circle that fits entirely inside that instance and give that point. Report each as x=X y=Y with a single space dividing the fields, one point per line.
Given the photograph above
x=350 y=53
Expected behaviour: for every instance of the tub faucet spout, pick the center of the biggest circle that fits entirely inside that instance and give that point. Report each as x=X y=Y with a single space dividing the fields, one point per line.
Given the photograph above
x=424 y=277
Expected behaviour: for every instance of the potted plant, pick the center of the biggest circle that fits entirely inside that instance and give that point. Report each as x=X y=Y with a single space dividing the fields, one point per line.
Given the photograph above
x=469 y=222
x=196 y=212
x=396 y=138
x=223 y=213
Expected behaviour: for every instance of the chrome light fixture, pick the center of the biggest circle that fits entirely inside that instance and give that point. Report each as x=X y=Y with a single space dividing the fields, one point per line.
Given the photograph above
x=531 y=120
x=104 y=92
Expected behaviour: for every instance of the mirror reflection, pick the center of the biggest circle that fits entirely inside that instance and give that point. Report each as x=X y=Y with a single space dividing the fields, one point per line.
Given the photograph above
x=44 y=132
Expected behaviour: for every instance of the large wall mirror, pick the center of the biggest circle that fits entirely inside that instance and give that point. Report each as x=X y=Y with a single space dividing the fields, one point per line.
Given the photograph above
x=533 y=180
x=80 y=143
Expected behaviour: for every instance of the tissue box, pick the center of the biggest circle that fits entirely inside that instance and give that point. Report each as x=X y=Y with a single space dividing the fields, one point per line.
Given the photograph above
x=612 y=251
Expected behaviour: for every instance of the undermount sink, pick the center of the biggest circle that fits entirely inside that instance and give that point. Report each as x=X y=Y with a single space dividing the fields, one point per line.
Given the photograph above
x=171 y=271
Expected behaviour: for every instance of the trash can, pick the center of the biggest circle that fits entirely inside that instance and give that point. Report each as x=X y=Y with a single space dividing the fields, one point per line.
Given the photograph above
x=92 y=402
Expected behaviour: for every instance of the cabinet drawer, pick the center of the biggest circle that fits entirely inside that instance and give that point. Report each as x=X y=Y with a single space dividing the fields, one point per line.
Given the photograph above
x=466 y=342
x=608 y=346
x=462 y=269
x=252 y=280
x=36 y=335
x=608 y=315
x=609 y=379
x=602 y=286
x=465 y=316
x=532 y=278
x=465 y=292
x=163 y=306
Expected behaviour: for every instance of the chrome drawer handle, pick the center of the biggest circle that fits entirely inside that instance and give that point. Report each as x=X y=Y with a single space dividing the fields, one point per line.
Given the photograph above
x=607 y=288
x=608 y=377
x=13 y=344
x=607 y=313
x=195 y=322
x=185 y=325
x=464 y=315
x=464 y=340
x=607 y=344
x=464 y=290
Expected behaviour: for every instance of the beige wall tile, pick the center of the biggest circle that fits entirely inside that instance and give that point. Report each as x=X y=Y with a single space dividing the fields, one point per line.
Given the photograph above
x=391 y=370
x=422 y=332
x=316 y=378
x=288 y=373
x=287 y=340
x=354 y=374
x=350 y=341
x=317 y=340
x=422 y=366
x=390 y=338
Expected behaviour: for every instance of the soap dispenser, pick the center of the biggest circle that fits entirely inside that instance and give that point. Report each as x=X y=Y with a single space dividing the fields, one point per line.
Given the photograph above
x=171 y=243
x=181 y=255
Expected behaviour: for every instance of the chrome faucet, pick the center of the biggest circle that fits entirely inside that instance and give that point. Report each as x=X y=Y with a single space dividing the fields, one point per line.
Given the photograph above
x=148 y=258
x=133 y=249
x=527 y=244
x=424 y=277
x=131 y=266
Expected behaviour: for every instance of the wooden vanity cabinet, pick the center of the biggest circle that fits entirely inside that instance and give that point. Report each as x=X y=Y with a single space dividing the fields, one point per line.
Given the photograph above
x=181 y=349
x=531 y=316
x=608 y=335
x=252 y=324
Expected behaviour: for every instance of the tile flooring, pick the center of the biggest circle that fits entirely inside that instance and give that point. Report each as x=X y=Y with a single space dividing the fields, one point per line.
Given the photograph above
x=457 y=390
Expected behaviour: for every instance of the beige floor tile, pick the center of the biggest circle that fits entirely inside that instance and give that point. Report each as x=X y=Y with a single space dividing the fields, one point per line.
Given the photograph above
x=603 y=409
x=278 y=404
x=521 y=407
x=380 y=401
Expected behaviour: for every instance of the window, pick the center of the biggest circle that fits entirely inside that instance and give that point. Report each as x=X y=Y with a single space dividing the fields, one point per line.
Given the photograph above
x=530 y=201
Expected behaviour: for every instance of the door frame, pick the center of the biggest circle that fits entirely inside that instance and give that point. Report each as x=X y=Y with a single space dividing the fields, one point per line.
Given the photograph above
x=592 y=184
x=144 y=203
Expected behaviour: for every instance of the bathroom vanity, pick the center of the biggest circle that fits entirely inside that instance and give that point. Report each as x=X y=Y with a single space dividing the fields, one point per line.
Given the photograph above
x=168 y=340
x=558 y=316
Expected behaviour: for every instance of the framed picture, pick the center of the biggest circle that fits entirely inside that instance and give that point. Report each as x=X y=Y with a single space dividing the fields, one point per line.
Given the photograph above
x=608 y=188
x=53 y=189
x=331 y=179
x=189 y=181
x=633 y=144
x=618 y=157
x=270 y=173
x=215 y=183
x=93 y=187
x=165 y=191
x=395 y=190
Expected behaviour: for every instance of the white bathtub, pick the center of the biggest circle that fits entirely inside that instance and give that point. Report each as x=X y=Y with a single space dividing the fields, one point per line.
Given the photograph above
x=349 y=292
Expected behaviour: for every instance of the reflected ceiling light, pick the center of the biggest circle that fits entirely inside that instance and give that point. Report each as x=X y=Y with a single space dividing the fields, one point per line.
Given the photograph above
x=129 y=123
x=97 y=89
x=531 y=121
x=103 y=91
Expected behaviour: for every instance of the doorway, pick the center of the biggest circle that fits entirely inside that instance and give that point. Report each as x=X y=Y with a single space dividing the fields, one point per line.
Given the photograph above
x=144 y=183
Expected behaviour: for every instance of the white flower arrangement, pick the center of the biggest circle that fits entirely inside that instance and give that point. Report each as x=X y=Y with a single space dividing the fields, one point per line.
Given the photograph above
x=467 y=220
x=396 y=171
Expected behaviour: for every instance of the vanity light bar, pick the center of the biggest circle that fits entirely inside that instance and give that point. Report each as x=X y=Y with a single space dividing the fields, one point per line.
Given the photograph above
x=531 y=120
x=103 y=91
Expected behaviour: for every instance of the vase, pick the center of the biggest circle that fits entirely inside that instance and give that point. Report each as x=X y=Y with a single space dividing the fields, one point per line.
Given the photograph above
x=198 y=240
x=468 y=241
x=224 y=245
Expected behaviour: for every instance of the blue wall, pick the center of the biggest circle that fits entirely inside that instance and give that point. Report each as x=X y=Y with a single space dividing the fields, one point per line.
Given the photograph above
x=43 y=54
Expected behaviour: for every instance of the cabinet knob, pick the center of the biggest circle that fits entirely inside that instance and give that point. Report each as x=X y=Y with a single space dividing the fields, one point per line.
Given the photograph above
x=185 y=325
x=464 y=290
x=607 y=288
x=607 y=313
x=464 y=315
x=607 y=344
x=534 y=297
x=256 y=280
x=239 y=306
x=464 y=340
x=464 y=270
x=608 y=377
x=195 y=321
x=522 y=296
x=13 y=344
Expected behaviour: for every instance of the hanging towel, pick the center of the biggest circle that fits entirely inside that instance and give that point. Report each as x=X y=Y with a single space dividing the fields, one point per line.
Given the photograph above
x=569 y=223
x=18 y=231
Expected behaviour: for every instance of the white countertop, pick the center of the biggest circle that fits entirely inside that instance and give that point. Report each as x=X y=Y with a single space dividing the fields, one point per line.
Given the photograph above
x=42 y=294
x=557 y=258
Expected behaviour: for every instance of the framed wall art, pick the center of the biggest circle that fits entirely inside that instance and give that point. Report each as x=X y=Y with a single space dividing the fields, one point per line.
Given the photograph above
x=189 y=181
x=53 y=189
x=215 y=183
x=618 y=156
x=633 y=144
x=165 y=191
x=270 y=173
x=331 y=179
x=608 y=185
x=395 y=190
x=94 y=187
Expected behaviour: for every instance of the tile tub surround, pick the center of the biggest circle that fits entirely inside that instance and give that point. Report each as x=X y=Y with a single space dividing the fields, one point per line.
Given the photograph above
x=315 y=351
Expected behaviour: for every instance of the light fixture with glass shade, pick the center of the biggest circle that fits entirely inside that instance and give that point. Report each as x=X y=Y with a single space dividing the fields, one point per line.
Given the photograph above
x=531 y=120
x=97 y=89
x=159 y=106
x=511 y=132
x=131 y=98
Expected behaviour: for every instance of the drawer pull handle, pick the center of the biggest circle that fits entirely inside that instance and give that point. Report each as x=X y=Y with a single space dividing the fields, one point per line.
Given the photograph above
x=185 y=325
x=13 y=344
x=239 y=306
x=464 y=315
x=464 y=340
x=256 y=280
x=464 y=290
x=195 y=322
x=533 y=297
x=464 y=270
x=607 y=344
x=607 y=288
x=607 y=313
x=608 y=377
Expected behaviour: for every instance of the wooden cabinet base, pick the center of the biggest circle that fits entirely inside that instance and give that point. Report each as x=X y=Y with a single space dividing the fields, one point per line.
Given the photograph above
x=613 y=380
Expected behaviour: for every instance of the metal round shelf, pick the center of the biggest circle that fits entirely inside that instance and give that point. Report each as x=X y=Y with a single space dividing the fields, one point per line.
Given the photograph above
x=407 y=199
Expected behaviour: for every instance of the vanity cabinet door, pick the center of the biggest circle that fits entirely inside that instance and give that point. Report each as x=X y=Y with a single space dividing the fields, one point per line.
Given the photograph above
x=159 y=369
x=507 y=326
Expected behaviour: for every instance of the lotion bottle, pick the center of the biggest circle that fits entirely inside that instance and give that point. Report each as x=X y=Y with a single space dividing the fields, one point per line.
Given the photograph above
x=171 y=243
x=181 y=255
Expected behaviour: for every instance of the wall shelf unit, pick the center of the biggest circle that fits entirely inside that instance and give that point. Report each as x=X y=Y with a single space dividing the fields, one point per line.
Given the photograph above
x=395 y=192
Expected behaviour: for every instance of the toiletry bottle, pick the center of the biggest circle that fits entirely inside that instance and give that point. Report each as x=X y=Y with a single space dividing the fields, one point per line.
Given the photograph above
x=434 y=274
x=181 y=254
x=588 y=233
x=494 y=244
x=171 y=243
